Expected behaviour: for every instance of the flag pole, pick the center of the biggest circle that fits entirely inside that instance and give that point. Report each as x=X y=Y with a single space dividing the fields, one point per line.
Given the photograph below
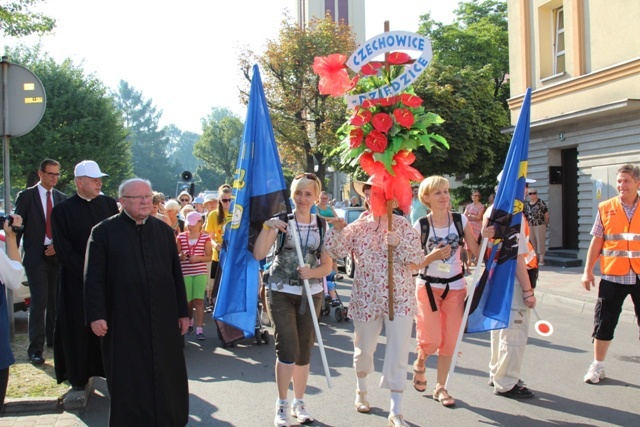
x=307 y=290
x=467 y=308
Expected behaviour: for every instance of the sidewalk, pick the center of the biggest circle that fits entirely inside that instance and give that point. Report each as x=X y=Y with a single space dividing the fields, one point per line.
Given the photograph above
x=556 y=286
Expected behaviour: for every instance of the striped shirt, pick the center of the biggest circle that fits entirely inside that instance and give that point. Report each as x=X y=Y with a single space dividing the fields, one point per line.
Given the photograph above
x=193 y=248
x=598 y=231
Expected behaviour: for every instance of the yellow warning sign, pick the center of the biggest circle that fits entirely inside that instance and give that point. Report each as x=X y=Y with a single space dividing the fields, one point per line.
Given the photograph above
x=35 y=100
x=29 y=86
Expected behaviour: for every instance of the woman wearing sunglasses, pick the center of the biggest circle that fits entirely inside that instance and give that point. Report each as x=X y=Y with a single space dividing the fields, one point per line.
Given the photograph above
x=216 y=221
x=288 y=303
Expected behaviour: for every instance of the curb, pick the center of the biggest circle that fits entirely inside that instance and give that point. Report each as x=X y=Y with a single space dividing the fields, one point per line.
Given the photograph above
x=32 y=405
x=627 y=314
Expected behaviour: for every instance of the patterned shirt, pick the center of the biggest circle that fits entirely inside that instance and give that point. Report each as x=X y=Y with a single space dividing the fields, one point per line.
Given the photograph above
x=598 y=231
x=370 y=291
x=535 y=212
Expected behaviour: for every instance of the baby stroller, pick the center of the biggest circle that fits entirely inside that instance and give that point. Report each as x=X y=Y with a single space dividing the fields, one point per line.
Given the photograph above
x=229 y=335
x=341 y=311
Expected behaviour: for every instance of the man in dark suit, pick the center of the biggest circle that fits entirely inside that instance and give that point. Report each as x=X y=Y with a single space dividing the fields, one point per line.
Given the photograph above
x=40 y=262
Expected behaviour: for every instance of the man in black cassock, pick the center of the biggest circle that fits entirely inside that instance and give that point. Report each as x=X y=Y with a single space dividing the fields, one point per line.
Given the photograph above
x=135 y=300
x=76 y=348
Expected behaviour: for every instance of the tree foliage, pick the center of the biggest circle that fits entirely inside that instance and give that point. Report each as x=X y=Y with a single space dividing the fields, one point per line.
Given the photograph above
x=304 y=121
x=80 y=122
x=477 y=38
x=467 y=84
x=219 y=144
x=18 y=20
x=148 y=142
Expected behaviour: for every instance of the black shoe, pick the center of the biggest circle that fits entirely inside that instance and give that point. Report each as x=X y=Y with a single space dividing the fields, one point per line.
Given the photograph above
x=335 y=303
x=36 y=359
x=517 y=392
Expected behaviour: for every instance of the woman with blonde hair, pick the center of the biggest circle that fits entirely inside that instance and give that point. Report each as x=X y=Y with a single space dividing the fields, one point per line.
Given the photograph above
x=288 y=302
x=440 y=286
x=216 y=220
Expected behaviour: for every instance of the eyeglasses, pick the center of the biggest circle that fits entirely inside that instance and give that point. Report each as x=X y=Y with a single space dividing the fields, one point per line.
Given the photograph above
x=143 y=197
x=533 y=192
x=225 y=200
x=57 y=175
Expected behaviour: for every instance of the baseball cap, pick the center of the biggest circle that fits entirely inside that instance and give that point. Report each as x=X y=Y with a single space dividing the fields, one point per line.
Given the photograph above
x=193 y=218
x=88 y=168
x=529 y=181
x=211 y=196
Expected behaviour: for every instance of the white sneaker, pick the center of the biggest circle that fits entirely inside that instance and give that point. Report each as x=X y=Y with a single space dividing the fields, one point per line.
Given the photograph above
x=594 y=374
x=299 y=411
x=282 y=413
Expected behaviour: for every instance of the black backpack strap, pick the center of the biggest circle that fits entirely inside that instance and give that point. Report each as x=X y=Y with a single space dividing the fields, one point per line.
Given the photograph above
x=424 y=232
x=457 y=221
x=322 y=226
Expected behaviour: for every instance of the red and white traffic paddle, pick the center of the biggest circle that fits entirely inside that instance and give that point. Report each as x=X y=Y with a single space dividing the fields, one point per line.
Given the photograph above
x=543 y=327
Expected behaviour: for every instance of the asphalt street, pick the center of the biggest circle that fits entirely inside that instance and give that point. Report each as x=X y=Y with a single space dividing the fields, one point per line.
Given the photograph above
x=235 y=386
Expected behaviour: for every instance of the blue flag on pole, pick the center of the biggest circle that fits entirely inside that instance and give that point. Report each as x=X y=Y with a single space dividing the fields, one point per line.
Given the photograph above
x=259 y=193
x=495 y=289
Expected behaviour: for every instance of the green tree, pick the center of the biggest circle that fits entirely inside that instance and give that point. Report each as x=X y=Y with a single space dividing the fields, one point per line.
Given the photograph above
x=80 y=122
x=148 y=142
x=478 y=37
x=180 y=148
x=467 y=84
x=304 y=121
x=219 y=144
x=17 y=20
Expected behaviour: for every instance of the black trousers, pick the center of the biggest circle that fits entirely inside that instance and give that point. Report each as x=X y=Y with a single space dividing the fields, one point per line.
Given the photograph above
x=43 y=282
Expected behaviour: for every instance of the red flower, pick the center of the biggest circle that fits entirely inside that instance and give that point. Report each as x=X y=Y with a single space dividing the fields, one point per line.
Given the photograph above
x=410 y=101
x=382 y=122
x=398 y=58
x=370 y=102
x=334 y=79
x=388 y=101
x=360 y=117
x=370 y=69
x=376 y=141
x=403 y=117
x=355 y=138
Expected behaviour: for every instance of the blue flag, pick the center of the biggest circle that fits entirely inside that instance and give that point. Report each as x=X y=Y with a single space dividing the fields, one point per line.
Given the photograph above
x=495 y=289
x=259 y=193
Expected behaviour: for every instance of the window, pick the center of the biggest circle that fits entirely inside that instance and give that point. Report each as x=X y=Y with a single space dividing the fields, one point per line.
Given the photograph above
x=558 y=44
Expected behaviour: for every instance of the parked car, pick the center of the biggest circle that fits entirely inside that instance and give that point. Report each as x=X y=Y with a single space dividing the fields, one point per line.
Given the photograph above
x=22 y=295
x=349 y=215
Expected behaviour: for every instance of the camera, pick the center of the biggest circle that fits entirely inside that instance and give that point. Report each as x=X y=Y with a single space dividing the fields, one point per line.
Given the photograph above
x=9 y=218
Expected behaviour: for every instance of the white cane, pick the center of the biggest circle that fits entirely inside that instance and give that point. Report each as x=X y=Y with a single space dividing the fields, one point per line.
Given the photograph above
x=307 y=289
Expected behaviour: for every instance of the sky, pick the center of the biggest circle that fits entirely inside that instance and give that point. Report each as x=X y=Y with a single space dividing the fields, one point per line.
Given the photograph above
x=183 y=55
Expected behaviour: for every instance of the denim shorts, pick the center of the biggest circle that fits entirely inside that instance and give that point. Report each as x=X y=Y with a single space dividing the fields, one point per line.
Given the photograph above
x=294 y=333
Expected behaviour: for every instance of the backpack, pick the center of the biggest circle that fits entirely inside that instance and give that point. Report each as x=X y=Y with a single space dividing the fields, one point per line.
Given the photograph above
x=424 y=229
x=322 y=224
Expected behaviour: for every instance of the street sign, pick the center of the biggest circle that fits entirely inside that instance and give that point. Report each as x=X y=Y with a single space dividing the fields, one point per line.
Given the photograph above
x=23 y=100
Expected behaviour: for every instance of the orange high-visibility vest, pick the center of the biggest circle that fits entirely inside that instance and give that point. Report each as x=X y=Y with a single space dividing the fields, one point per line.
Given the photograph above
x=530 y=257
x=621 y=248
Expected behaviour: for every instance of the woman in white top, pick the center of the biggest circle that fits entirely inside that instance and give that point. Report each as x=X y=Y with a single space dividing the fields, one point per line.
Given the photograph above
x=11 y=273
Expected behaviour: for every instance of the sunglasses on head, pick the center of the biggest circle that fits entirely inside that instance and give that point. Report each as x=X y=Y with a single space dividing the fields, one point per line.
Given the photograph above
x=307 y=175
x=225 y=200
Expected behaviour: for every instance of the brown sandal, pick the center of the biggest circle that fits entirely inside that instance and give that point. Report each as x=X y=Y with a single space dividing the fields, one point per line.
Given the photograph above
x=418 y=384
x=442 y=395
